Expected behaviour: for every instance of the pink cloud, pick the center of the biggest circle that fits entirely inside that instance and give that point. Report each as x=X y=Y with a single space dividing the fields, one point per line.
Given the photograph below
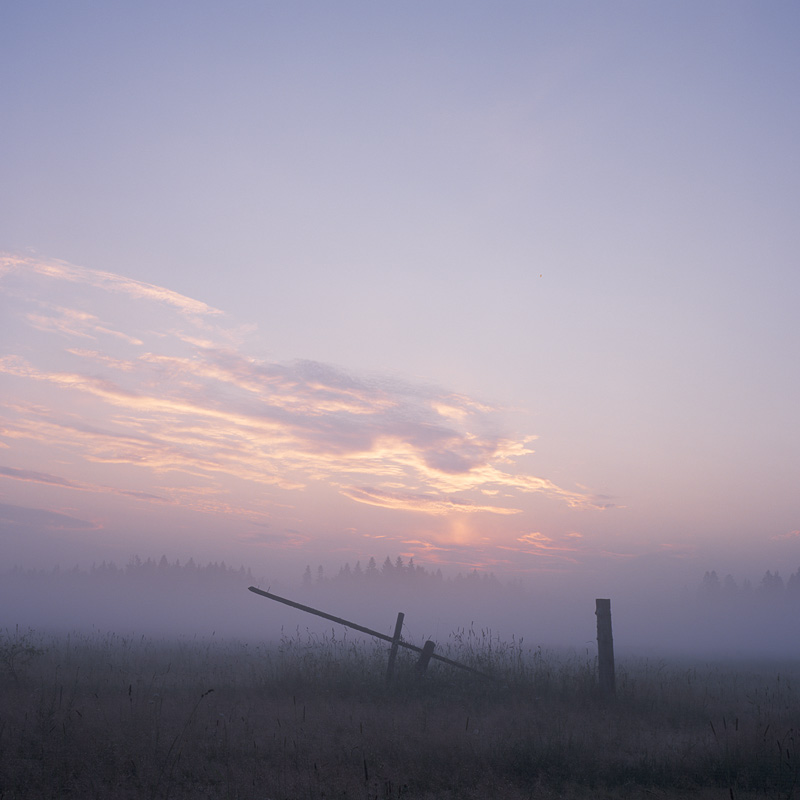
x=181 y=399
x=425 y=503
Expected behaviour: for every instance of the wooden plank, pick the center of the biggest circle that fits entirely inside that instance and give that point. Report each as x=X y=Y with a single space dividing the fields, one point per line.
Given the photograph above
x=354 y=625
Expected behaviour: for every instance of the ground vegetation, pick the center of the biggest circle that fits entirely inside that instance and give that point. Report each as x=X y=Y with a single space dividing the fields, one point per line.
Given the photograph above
x=110 y=716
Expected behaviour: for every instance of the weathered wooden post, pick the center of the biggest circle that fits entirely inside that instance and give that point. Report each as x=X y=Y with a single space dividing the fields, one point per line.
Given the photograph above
x=605 y=648
x=398 y=630
x=425 y=657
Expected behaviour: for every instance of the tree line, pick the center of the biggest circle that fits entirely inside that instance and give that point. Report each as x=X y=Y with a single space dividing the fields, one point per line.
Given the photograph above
x=394 y=572
x=772 y=586
x=138 y=571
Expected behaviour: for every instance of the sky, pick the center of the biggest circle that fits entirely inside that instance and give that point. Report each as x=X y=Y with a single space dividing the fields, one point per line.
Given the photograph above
x=506 y=286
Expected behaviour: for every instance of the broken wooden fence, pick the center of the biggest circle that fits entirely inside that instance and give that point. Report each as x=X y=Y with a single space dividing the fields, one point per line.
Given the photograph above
x=426 y=652
x=605 y=642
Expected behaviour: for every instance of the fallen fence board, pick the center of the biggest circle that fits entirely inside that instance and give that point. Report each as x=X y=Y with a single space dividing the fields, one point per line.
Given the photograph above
x=356 y=627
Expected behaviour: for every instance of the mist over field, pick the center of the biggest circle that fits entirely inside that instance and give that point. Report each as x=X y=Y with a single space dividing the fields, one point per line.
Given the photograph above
x=703 y=618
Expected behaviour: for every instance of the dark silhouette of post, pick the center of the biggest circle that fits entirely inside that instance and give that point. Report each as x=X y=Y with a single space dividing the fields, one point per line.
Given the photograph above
x=398 y=630
x=425 y=657
x=605 y=648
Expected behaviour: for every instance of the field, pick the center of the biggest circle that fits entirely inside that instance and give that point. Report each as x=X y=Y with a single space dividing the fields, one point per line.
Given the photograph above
x=106 y=716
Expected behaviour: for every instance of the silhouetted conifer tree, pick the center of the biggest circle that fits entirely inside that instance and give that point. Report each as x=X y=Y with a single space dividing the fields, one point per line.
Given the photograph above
x=771 y=585
x=710 y=588
x=793 y=585
x=729 y=587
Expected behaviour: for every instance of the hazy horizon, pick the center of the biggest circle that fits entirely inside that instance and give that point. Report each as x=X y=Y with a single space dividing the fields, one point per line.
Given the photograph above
x=712 y=619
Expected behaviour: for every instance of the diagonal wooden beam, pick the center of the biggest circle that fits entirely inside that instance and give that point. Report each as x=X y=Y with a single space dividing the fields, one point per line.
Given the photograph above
x=356 y=627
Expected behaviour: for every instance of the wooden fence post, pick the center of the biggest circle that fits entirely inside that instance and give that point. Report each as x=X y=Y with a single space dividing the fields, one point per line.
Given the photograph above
x=605 y=648
x=398 y=630
x=425 y=657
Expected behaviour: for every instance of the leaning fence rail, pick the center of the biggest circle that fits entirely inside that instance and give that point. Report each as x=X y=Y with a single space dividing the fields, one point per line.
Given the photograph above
x=426 y=652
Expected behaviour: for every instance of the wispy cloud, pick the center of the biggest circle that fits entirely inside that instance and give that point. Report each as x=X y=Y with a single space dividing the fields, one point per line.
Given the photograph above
x=280 y=423
x=789 y=535
x=538 y=542
x=63 y=271
x=181 y=398
x=70 y=322
x=35 y=477
x=426 y=503
x=30 y=476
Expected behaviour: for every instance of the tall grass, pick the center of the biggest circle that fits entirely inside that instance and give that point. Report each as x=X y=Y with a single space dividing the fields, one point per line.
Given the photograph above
x=109 y=716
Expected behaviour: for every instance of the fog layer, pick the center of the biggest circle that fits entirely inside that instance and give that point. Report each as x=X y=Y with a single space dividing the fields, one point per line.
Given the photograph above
x=172 y=600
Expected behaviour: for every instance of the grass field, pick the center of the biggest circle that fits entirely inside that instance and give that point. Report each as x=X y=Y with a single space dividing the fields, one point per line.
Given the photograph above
x=105 y=716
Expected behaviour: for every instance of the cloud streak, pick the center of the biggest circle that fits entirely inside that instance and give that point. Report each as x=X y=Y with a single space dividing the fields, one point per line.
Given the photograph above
x=108 y=281
x=178 y=403
x=30 y=476
x=427 y=504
